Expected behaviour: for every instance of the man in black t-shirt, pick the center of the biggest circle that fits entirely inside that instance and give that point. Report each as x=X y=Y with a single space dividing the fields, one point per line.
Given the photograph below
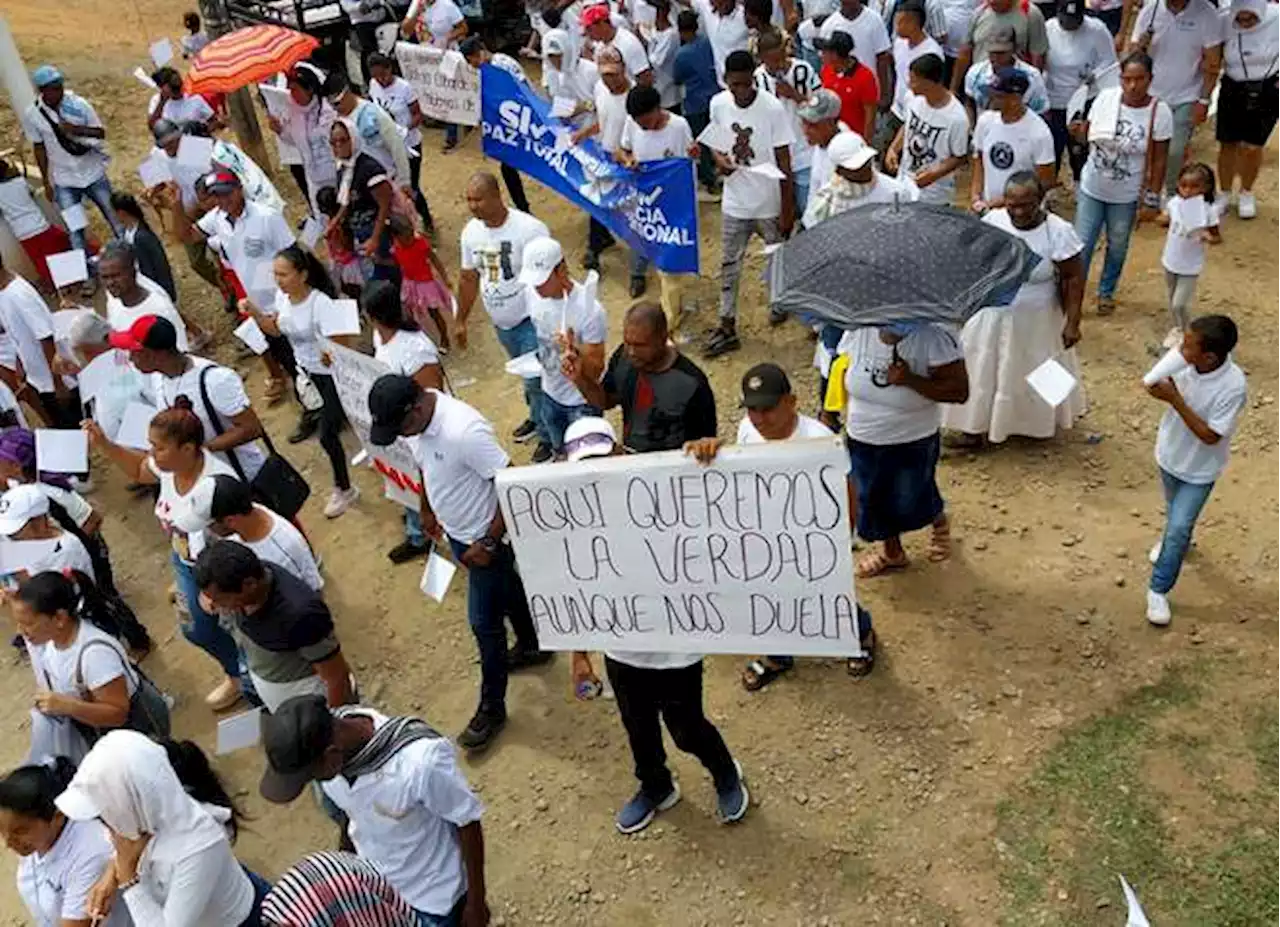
x=666 y=400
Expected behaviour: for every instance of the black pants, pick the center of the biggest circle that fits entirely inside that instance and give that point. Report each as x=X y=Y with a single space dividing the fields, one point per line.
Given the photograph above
x=515 y=188
x=300 y=178
x=1077 y=154
x=706 y=165
x=420 y=201
x=367 y=42
x=674 y=696
x=598 y=237
x=332 y=421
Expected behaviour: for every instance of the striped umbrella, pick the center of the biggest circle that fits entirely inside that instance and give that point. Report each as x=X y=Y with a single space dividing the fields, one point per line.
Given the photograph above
x=247 y=56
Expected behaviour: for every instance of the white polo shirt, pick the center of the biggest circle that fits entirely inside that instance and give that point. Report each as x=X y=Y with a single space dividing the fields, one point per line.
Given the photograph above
x=1218 y=397
x=55 y=886
x=249 y=242
x=459 y=455
x=1177 y=43
x=404 y=819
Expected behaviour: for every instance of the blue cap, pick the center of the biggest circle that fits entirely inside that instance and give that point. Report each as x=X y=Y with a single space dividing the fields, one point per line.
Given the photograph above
x=45 y=75
x=1009 y=80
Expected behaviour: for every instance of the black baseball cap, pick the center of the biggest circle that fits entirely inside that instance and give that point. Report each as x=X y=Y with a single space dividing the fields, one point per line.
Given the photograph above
x=1009 y=80
x=841 y=43
x=764 y=386
x=471 y=45
x=390 y=400
x=147 y=331
x=294 y=737
x=1071 y=10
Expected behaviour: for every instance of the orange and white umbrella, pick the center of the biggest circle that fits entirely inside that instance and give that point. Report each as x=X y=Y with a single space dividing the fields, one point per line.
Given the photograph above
x=245 y=57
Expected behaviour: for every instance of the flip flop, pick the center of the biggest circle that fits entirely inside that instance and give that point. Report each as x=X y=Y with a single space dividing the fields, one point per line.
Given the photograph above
x=876 y=564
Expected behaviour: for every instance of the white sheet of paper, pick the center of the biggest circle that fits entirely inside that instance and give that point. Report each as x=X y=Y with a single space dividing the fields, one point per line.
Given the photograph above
x=144 y=78
x=526 y=365
x=276 y=100
x=239 y=731
x=154 y=172
x=195 y=152
x=343 y=319
x=161 y=52
x=60 y=450
x=1172 y=362
x=437 y=576
x=249 y=332
x=362 y=456
x=717 y=137
x=1136 y=916
x=67 y=268
x=75 y=218
x=450 y=61
x=312 y=229
x=767 y=170
x=563 y=106
x=1052 y=382
x=97 y=374
x=134 y=425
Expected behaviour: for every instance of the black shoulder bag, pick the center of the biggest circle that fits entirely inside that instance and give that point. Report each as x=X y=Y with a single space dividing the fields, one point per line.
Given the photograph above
x=65 y=142
x=148 y=708
x=278 y=485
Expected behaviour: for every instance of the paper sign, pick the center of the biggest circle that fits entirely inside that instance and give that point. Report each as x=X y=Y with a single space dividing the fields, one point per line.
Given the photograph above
x=154 y=171
x=563 y=107
x=239 y=731
x=249 y=332
x=1172 y=362
x=437 y=577
x=135 y=425
x=342 y=319
x=444 y=94
x=717 y=137
x=312 y=229
x=67 y=268
x=1136 y=917
x=275 y=100
x=62 y=450
x=450 y=62
x=526 y=365
x=195 y=152
x=1052 y=382
x=144 y=78
x=401 y=495
x=161 y=52
x=96 y=375
x=768 y=170
x=75 y=218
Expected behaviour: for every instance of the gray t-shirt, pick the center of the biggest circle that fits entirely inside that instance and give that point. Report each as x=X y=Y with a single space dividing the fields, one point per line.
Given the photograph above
x=1030 y=37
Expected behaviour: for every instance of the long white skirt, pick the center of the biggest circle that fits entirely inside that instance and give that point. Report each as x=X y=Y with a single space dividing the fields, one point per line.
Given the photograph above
x=1002 y=346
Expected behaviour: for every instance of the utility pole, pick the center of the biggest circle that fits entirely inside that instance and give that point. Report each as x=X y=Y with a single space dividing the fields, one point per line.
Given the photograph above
x=244 y=119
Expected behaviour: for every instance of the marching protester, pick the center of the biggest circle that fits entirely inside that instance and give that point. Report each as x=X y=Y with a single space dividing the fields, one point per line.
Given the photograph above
x=653 y=689
x=372 y=129
x=609 y=116
x=853 y=82
x=694 y=73
x=28 y=326
x=1000 y=55
x=819 y=116
x=933 y=142
x=724 y=23
x=473 y=49
x=148 y=249
x=1081 y=51
x=854 y=181
x=171 y=102
x=412 y=813
x=38 y=236
x=868 y=42
x=772 y=416
x=173 y=864
x=458 y=456
x=911 y=43
x=440 y=24
x=34 y=542
x=994 y=19
x=791 y=81
x=753 y=130
x=305 y=126
x=604 y=34
x=129 y=299
x=1193 y=444
x=367 y=198
x=1193 y=224
x=1247 y=103
x=327 y=889
x=168 y=136
x=1122 y=176
x=491 y=258
x=1008 y=139
x=397 y=96
x=424 y=281
x=1003 y=344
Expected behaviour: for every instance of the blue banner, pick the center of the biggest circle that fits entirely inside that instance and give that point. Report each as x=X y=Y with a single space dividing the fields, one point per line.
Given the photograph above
x=653 y=209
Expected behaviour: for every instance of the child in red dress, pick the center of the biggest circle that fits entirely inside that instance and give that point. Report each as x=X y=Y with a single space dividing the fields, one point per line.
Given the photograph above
x=423 y=293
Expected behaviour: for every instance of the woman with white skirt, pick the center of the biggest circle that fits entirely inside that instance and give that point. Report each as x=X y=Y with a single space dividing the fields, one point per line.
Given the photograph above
x=1002 y=344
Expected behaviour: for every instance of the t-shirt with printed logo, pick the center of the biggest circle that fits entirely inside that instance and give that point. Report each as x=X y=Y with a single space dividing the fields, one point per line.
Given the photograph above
x=931 y=136
x=495 y=254
x=755 y=130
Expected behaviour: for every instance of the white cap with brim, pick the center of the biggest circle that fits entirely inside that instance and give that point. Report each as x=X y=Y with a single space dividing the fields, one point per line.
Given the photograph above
x=76 y=804
x=849 y=151
x=541 y=256
x=19 y=505
x=590 y=436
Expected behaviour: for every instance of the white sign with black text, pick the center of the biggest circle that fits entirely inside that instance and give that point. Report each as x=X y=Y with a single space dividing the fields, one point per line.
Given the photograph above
x=450 y=98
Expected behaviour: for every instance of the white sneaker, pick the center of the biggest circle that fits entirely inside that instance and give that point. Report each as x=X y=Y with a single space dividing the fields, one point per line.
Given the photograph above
x=1247 y=206
x=1158 y=612
x=82 y=486
x=1154 y=554
x=340 y=501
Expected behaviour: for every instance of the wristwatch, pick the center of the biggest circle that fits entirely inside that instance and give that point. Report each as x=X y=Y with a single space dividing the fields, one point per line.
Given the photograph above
x=488 y=544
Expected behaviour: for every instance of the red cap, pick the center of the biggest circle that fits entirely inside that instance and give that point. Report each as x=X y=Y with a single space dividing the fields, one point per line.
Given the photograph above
x=595 y=14
x=148 y=331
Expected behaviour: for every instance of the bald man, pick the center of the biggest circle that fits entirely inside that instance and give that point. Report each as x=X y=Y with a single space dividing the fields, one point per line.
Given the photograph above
x=493 y=244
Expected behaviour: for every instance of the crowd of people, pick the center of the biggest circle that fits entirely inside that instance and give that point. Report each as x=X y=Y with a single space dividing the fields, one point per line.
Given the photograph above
x=790 y=114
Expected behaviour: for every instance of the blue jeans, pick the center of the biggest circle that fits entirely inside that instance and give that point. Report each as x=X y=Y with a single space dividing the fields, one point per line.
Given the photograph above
x=260 y=888
x=800 y=181
x=100 y=192
x=413 y=532
x=556 y=418
x=1183 y=502
x=451 y=133
x=452 y=919
x=518 y=340
x=495 y=593
x=1091 y=216
x=1182 y=129
x=201 y=628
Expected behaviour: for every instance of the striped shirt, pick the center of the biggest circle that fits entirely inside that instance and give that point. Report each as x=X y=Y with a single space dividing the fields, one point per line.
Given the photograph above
x=335 y=890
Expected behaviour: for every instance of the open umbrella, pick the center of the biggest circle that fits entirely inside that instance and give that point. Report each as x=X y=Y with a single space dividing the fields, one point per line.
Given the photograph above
x=890 y=262
x=245 y=57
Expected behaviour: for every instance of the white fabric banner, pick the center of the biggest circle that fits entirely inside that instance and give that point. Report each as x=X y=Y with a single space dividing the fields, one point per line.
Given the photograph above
x=652 y=552
x=453 y=99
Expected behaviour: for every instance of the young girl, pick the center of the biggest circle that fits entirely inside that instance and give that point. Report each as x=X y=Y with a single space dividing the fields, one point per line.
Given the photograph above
x=348 y=269
x=1193 y=223
x=422 y=294
x=38 y=236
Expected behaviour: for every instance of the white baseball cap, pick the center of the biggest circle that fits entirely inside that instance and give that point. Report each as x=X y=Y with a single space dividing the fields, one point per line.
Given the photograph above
x=19 y=505
x=541 y=256
x=590 y=436
x=849 y=151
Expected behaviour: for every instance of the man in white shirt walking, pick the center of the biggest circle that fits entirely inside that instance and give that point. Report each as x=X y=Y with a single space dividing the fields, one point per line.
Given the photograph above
x=933 y=142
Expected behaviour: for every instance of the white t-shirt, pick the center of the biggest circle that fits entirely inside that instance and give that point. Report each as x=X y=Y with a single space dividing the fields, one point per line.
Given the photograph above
x=1252 y=54
x=958 y=13
x=284 y=546
x=55 y=886
x=28 y=321
x=438 y=21
x=190 y=108
x=67 y=170
x=100 y=664
x=671 y=141
x=1009 y=147
x=496 y=255
x=1113 y=173
x=1054 y=240
x=870 y=37
x=397 y=100
x=662 y=47
x=726 y=34
x=887 y=414
x=157 y=302
x=172 y=505
x=1177 y=44
x=405 y=819
x=227 y=395
x=758 y=130
x=805 y=428
x=931 y=136
x=1183 y=249
x=903 y=54
x=300 y=323
x=249 y=242
x=611 y=114
x=1075 y=54
x=61 y=552
x=634 y=58
x=804 y=78
x=406 y=353
x=820 y=167
x=1218 y=397
x=552 y=316
x=20 y=210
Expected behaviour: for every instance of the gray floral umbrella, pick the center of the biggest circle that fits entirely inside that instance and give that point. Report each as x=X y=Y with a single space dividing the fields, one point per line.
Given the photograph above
x=888 y=262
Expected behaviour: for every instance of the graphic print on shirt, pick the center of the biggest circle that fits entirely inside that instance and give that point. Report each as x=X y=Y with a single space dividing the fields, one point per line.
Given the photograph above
x=743 y=153
x=497 y=263
x=1001 y=155
x=923 y=149
x=1112 y=160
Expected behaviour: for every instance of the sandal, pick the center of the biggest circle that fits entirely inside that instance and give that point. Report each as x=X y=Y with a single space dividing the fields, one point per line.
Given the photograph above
x=940 y=542
x=858 y=667
x=877 y=563
x=759 y=673
x=1106 y=305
